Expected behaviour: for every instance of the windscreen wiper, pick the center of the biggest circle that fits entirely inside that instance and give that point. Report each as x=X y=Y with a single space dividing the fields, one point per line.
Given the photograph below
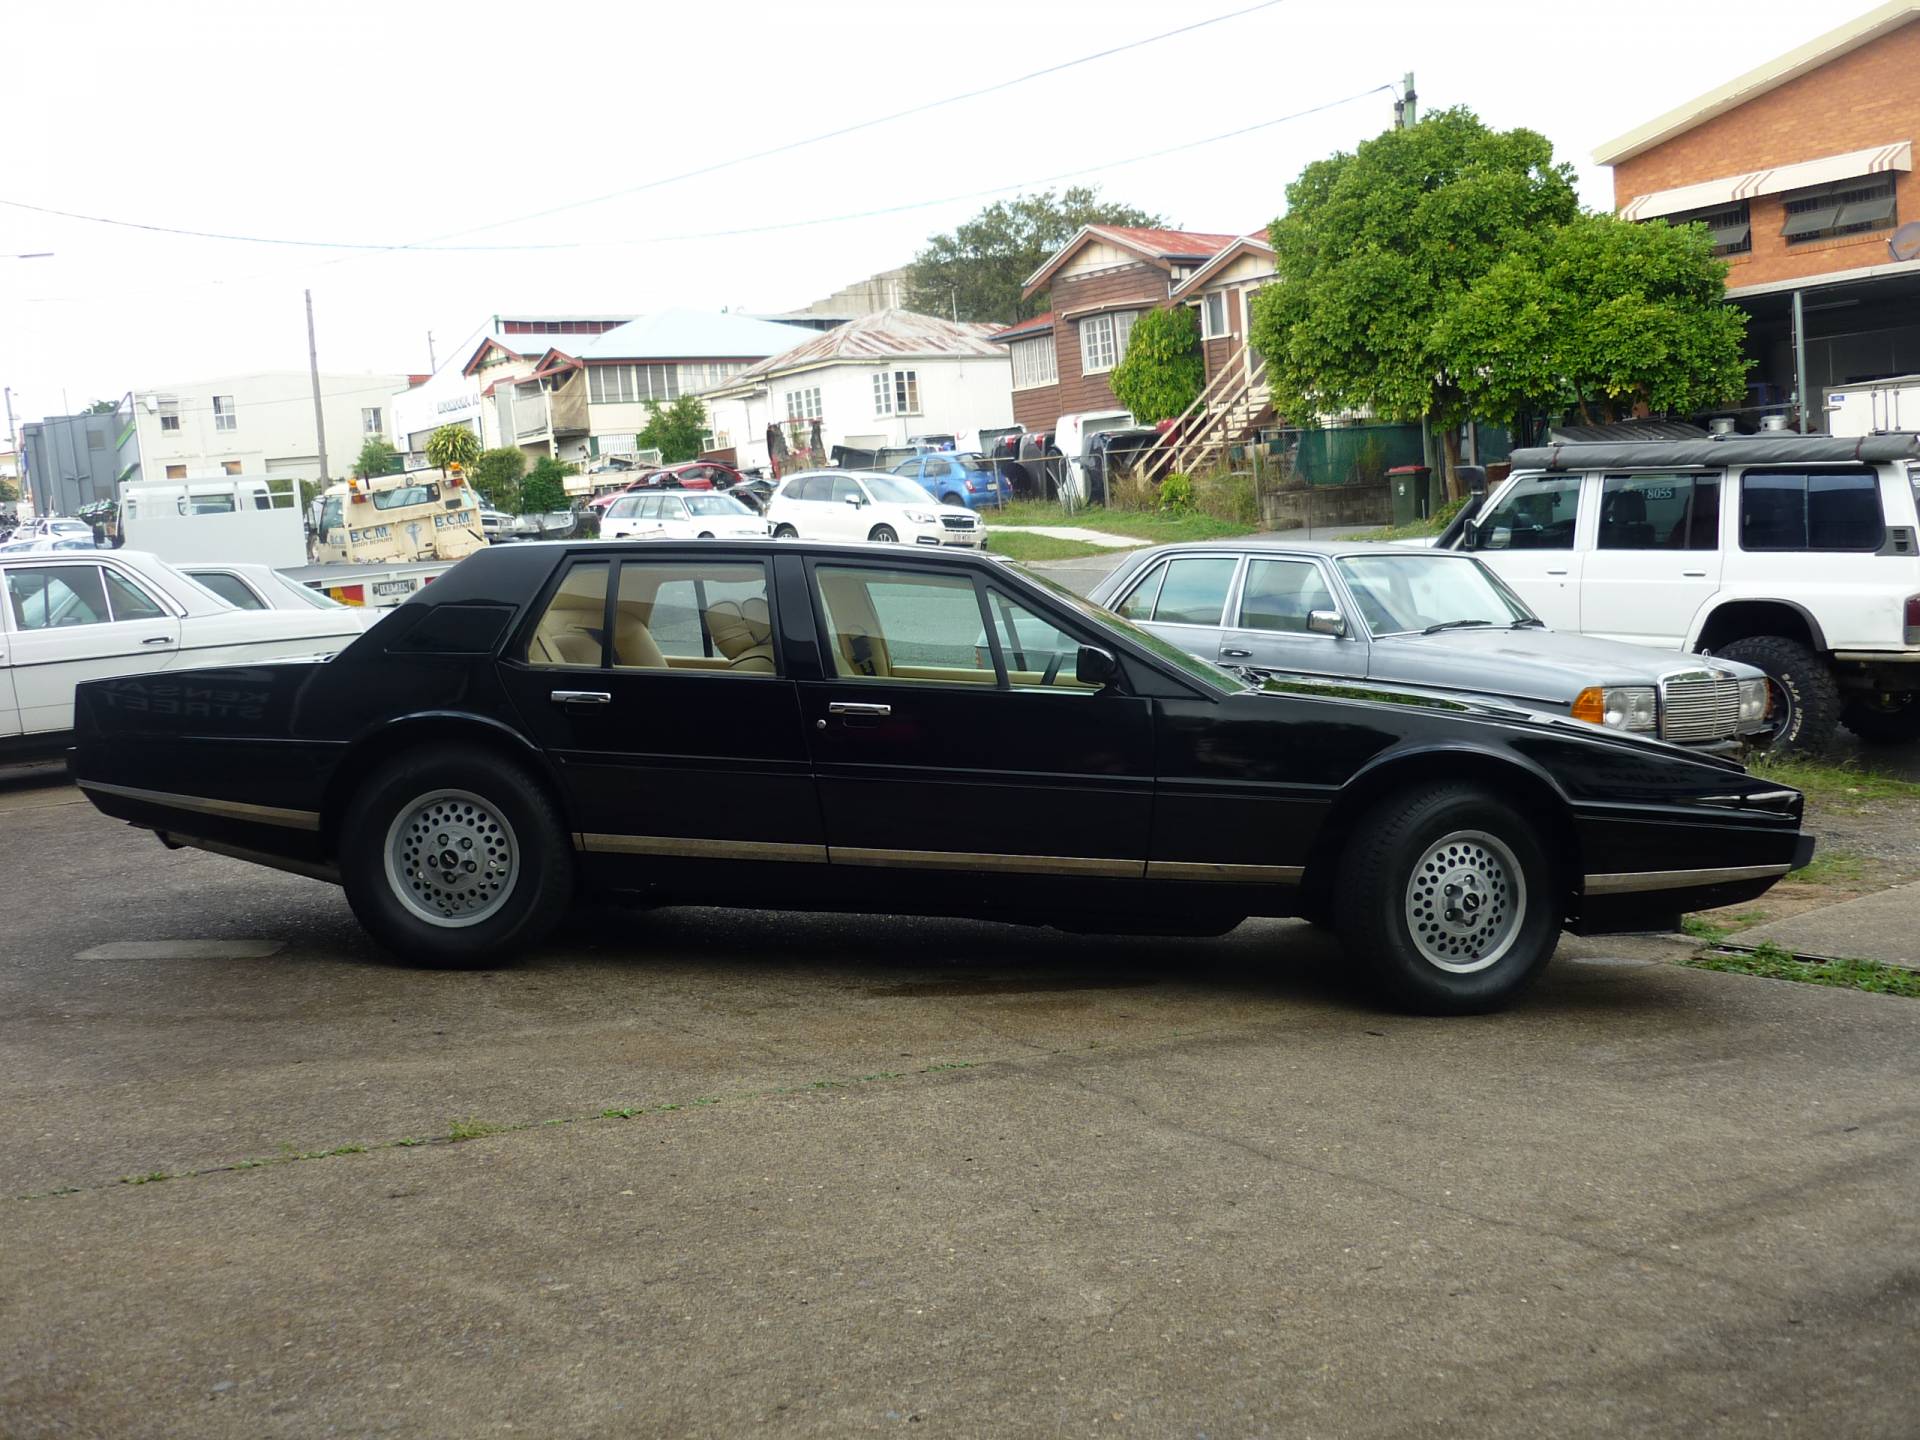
x=1528 y=622
x=1453 y=625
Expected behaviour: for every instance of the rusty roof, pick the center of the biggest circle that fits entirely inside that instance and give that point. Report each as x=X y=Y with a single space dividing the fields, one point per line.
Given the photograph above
x=883 y=335
x=1163 y=247
x=1027 y=327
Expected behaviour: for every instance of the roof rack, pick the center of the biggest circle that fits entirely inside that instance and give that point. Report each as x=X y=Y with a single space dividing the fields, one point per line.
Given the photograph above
x=1722 y=450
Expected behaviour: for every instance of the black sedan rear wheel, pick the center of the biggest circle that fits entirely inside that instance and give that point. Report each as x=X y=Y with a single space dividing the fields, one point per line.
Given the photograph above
x=1447 y=898
x=454 y=857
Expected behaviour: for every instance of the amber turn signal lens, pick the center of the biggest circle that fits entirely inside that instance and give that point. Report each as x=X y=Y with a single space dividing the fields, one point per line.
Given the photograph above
x=1591 y=705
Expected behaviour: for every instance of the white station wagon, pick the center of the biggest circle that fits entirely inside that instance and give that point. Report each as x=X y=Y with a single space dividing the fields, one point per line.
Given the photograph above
x=91 y=614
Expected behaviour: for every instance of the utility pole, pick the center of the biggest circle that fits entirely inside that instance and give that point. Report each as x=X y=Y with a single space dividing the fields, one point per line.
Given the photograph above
x=433 y=365
x=319 y=415
x=1403 y=104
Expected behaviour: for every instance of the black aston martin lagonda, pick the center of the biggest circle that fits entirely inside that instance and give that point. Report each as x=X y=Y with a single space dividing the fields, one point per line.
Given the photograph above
x=908 y=731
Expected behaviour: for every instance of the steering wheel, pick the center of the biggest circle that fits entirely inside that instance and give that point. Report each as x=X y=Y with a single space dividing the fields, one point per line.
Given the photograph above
x=1053 y=668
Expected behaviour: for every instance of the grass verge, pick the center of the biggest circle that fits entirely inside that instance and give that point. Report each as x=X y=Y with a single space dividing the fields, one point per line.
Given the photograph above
x=1843 y=785
x=1016 y=545
x=1770 y=962
x=1158 y=526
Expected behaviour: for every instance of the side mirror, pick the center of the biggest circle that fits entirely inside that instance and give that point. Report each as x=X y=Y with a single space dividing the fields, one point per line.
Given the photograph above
x=1326 y=622
x=1094 y=666
x=855 y=501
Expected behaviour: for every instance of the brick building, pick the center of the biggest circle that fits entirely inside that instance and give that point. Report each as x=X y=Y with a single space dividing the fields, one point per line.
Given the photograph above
x=1803 y=171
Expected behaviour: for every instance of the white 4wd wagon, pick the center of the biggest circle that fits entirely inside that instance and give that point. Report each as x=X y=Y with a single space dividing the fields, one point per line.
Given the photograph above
x=1795 y=553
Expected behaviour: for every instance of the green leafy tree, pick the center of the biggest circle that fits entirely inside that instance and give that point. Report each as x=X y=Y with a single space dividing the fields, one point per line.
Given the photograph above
x=452 y=445
x=9 y=492
x=1604 y=317
x=1377 y=244
x=100 y=407
x=979 y=269
x=677 y=430
x=377 y=457
x=1162 y=373
x=496 y=477
x=545 y=487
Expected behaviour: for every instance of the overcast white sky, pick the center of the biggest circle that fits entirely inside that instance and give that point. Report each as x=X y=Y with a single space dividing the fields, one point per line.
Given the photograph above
x=402 y=120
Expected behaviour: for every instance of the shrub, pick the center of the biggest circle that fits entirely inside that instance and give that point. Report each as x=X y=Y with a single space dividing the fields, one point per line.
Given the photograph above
x=1162 y=372
x=496 y=477
x=1177 y=494
x=545 y=487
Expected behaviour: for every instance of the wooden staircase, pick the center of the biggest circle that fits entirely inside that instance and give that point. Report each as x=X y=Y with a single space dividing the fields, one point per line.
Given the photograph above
x=1224 y=414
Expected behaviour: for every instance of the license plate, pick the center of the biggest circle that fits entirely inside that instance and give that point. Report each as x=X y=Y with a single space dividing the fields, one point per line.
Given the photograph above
x=393 y=587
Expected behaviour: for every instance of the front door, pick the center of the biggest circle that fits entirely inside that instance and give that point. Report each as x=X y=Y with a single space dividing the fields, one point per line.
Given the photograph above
x=74 y=622
x=1529 y=537
x=1655 y=558
x=655 y=686
x=1268 y=628
x=951 y=735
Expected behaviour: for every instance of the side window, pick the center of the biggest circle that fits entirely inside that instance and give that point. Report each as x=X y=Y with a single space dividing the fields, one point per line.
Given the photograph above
x=1038 y=654
x=1280 y=594
x=1650 y=512
x=1825 y=510
x=846 y=488
x=1536 y=514
x=1138 y=604
x=229 y=589
x=1195 y=590
x=128 y=600
x=688 y=616
x=54 y=597
x=672 y=507
x=572 y=629
x=330 y=515
x=897 y=625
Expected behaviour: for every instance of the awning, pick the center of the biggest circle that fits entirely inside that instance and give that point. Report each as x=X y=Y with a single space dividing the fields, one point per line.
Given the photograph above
x=1731 y=189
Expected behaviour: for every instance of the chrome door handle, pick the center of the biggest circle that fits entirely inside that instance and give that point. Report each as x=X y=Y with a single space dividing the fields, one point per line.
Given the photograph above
x=582 y=697
x=1237 y=654
x=848 y=707
x=158 y=640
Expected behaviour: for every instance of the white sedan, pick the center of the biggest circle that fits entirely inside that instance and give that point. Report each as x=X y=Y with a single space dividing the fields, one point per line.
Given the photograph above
x=247 y=586
x=679 y=515
x=868 y=505
x=85 y=615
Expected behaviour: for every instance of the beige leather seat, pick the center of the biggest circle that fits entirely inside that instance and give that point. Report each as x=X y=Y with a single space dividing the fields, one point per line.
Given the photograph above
x=569 y=633
x=634 y=647
x=747 y=645
x=862 y=648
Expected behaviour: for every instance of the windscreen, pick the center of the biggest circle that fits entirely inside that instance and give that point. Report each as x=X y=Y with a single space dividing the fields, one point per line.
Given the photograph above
x=715 y=505
x=891 y=491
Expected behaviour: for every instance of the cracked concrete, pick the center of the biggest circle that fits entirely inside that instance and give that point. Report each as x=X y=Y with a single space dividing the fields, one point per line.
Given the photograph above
x=1179 y=1188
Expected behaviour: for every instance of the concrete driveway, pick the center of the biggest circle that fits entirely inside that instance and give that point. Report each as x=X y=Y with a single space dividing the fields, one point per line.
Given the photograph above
x=901 y=1177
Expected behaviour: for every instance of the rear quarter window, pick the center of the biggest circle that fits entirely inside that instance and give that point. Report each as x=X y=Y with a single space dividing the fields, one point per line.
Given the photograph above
x=1787 y=510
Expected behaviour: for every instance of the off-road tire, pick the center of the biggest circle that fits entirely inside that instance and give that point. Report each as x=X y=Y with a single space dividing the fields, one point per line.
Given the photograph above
x=883 y=535
x=1377 y=871
x=1806 y=679
x=540 y=891
x=1892 y=719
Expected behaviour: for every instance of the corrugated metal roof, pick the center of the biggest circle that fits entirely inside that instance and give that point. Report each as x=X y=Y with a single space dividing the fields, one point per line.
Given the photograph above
x=1167 y=244
x=1027 y=327
x=884 y=335
x=685 y=335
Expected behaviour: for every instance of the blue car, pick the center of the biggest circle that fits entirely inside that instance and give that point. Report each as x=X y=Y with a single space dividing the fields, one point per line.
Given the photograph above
x=958 y=479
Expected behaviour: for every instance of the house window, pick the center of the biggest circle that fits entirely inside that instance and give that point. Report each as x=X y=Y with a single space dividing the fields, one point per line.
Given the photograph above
x=625 y=384
x=1852 y=207
x=1731 y=227
x=896 y=392
x=176 y=472
x=1103 y=340
x=707 y=375
x=223 y=414
x=169 y=408
x=370 y=419
x=1213 y=316
x=804 y=404
x=1034 y=363
x=231 y=467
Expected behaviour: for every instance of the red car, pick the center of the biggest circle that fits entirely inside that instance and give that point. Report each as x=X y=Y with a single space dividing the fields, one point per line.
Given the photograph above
x=689 y=475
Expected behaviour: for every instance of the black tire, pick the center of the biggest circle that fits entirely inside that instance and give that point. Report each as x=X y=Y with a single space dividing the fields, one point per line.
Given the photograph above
x=954 y=499
x=1398 y=841
x=1884 y=718
x=706 y=535
x=785 y=532
x=537 y=894
x=882 y=535
x=1813 y=697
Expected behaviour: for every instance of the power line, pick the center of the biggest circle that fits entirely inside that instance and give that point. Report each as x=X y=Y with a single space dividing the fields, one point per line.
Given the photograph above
x=435 y=242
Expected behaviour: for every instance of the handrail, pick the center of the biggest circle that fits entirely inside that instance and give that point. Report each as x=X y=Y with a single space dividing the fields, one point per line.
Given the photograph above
x=1168 y=446
x=1191 y=447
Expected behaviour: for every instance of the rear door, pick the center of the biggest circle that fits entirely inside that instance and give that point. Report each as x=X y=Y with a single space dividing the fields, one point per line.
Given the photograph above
x=74 y=622
x=1655 y=558
x=669 y=748
x=1184 y=600
x=1530 y=537
x=1267 y=625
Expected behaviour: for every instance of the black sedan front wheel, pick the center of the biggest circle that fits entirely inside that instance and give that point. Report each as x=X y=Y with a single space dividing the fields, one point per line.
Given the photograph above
x=455 y=857
x=1446 y=897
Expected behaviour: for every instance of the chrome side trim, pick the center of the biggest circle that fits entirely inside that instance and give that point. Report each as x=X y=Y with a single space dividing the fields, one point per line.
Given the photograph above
x=684 y=848
x=970 y=860
x=1630 y=881
x=1210 y=870
x=312 y=869
x=205 y=805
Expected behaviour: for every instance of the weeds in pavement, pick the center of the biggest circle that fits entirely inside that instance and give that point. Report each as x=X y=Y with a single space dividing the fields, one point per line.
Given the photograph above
x=471 y=1129
x=1841 y=784
x=1771 y=962
x=1713 y=932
